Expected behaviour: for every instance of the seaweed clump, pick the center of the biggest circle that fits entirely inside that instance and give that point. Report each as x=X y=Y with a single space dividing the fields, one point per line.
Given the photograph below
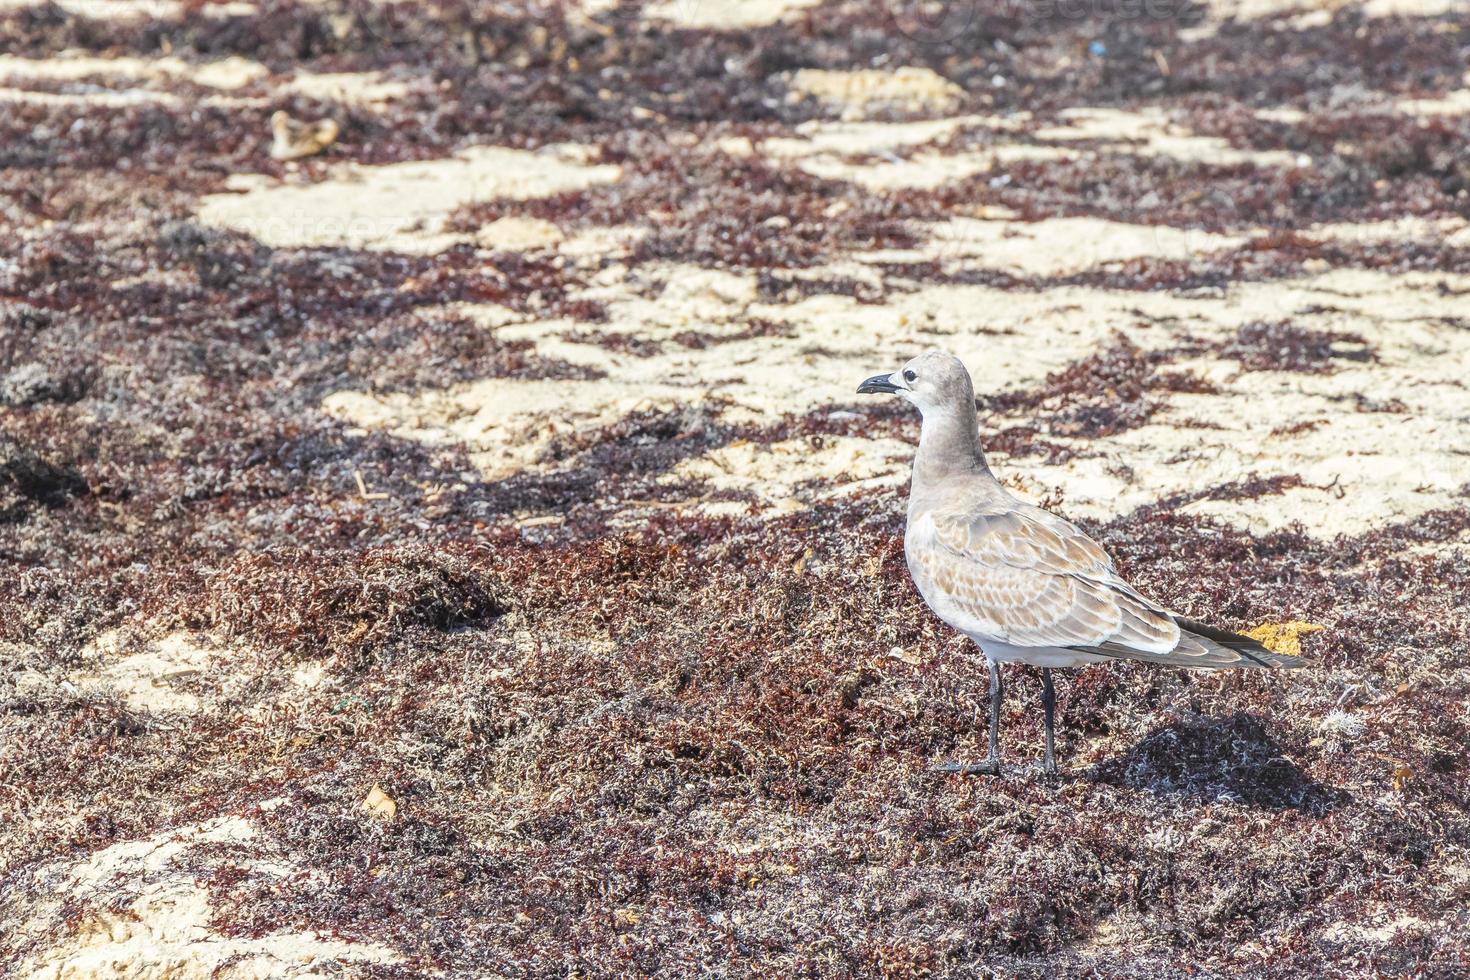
x=351 y=606
x=709 y=207
x=1282 y=346
x=626 y=732
x=1101 y=395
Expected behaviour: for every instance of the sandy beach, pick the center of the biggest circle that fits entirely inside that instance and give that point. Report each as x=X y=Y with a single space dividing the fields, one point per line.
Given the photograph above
x=458 y=550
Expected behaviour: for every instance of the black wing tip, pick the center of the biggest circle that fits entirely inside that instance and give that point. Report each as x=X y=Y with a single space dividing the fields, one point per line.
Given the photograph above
x=1272 y=661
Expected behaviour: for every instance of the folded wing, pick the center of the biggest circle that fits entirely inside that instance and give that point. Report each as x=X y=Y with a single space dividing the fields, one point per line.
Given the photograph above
x=1022 y=576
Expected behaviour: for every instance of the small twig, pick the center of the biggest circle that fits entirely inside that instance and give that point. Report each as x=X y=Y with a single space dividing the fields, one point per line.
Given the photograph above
x=362 y=489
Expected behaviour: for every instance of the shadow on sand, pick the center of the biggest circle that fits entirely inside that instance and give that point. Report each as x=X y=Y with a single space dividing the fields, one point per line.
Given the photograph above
x=1209 y=759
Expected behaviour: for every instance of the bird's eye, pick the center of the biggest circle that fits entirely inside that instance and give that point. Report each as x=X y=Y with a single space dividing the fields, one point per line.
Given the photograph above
x=910 y=376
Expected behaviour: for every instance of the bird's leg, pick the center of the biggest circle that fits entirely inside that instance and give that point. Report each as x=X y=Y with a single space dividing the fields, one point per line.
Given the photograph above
x=1049 y=706
x=991 y=766
x=996 y=691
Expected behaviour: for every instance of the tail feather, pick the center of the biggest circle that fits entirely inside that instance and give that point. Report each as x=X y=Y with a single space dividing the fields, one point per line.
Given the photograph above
x=1205 y=646
x=1244 y=645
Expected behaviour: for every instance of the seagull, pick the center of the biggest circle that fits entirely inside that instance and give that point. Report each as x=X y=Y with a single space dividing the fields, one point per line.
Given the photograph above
x=1027 y=586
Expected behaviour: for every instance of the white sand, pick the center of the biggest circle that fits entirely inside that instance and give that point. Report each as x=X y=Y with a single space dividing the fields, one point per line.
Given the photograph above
x=843 y=150
x=849 y=138
x=1452 y=231
x=356 y=88
x=1453 y=103
x=1456 y=103
x=1150 y=132
x=226 y=73
x=519 y=234
x=925 y=170
x=399 y=207
x=123 y=99
x=1385 y=466
x=1060 y=246
x=1307 y=14
x=153 y=679
x=165 y=929
x=825 y=149
x=858 y=94
x=724 y=15
x=108 y=9
x=793 y=474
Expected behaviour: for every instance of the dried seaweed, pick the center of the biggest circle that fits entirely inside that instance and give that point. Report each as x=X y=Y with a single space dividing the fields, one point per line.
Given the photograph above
x=640 y=740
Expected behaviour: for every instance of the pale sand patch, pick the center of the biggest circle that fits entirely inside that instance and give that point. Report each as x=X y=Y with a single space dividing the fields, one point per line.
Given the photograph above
x=165 y=930
x=1376 y=929
x=1355 y=464
x=1055 y=246
x=1412 y=8
x=724 y=15
x=1297 y=14
x=149 y=680
x=226 y=73
x=507 y=423
x=117 y=100
x=925 y=171
x=1281 y=114
x=708 y=293
x=793 y=474
x=1456 y=103
x=822 y=148
x=858 y=94
x=825 y=149
x=821 y=136
x=488 y=315
x=591 y=8
x=519 y=234
x=1452 y=231
x=109 y=9
x=1150 y=132
x=1389 y=466
x=399 y=207
x=603 y=243
x=348 y=87
x=1303 y=15
x=1368 y=468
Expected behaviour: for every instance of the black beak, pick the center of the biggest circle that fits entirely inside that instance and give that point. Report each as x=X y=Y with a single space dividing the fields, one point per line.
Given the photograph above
x=878 y=384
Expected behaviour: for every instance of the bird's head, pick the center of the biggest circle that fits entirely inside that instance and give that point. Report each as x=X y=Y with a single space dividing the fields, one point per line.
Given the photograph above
x=935 y=380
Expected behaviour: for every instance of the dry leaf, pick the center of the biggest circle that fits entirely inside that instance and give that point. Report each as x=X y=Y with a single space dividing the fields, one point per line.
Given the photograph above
x=380 y=804
x=1401 y=776
x=1284 y=638
x=800 y=565
x=292 y=140
x=627 y=917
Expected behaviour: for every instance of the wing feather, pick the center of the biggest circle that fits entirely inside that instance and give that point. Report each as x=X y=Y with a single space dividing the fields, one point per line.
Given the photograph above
x=1017 y=574
x=1028 y=578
